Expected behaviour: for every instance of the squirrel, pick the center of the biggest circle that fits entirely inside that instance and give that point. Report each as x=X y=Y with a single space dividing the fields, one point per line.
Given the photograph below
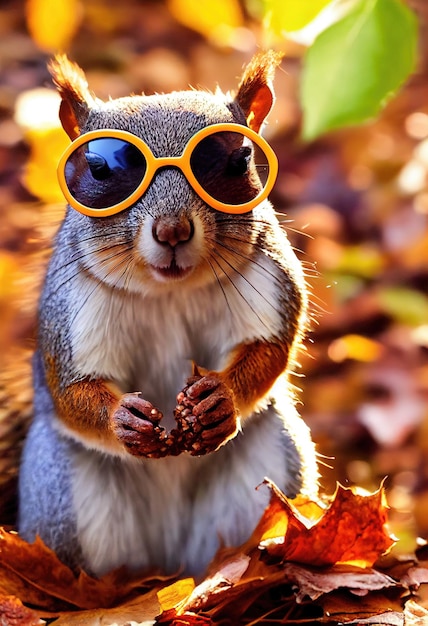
x=172 y=310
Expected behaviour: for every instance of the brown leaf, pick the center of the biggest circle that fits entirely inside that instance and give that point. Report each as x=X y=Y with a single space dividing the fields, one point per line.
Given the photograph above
x=241 y=578
x=378 y=607
x=14 y=613
x=172 y=618
x=415 y=576
x=389 y=618
x=143 y=609
x=219 y=597
x=314 y=583
x=224 y=579
x=233 y=587
x=352 y=530
x=35 y=574
x=415 y=615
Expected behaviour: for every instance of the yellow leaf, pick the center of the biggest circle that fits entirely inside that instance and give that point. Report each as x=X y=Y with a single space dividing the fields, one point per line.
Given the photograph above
x=36 y=111
x=40 y=177
x=53 y=24
x=292 y=15
x=354 y=347
x=215 y=19
x=172 y=595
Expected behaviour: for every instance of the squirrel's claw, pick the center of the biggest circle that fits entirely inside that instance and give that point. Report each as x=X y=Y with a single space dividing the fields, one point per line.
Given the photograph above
x=205 y=414
x=136 y=425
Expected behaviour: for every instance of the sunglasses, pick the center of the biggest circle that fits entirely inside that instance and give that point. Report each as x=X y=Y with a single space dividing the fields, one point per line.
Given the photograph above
x=229 y=166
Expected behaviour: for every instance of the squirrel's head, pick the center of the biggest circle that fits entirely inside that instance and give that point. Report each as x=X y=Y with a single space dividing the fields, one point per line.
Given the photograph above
x=165 y=187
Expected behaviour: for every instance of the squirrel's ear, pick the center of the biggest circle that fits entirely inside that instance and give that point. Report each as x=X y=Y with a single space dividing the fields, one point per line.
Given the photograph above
x=76 y=99
x=255 y=93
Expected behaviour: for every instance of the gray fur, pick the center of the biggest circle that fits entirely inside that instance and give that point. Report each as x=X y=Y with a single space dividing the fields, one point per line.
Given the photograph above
x=171 y=514
x=46 y=503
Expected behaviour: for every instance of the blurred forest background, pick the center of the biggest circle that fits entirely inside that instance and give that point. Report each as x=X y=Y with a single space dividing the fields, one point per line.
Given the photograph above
x=355 y=204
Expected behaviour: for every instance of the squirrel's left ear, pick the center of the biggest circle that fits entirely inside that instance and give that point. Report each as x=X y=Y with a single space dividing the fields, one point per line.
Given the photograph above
x=255 y=93
x=76 y=99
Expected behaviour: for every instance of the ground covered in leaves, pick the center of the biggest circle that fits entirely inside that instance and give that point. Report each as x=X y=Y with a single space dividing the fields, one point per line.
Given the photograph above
x=356 y=205
x=289 y=571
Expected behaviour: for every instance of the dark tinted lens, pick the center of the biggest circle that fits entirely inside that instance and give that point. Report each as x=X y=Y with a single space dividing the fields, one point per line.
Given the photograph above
x=230 y=167
x=104 y=172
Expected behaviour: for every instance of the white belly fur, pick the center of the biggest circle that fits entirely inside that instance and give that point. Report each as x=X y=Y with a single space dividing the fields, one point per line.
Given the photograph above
x=173 y=513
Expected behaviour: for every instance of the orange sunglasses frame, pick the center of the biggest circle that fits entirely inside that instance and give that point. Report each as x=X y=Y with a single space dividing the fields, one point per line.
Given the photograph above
x=182 y=163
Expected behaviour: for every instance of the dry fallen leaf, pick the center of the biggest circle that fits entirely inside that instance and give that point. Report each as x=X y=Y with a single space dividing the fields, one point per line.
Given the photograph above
x=141 y=610
x=305 y=560
x=376 y=607
x=352 y=530
x=415 y=615
x=34 y=573
x=415 y=576
x=14 y=613
x=314 y=583
x=170 y=618
x=220 y=598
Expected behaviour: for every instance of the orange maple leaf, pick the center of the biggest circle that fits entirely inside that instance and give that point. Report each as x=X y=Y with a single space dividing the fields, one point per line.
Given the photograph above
x=352 y=530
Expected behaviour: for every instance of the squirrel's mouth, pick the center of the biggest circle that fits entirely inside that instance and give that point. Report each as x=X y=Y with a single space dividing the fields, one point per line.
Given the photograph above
x=171 y=271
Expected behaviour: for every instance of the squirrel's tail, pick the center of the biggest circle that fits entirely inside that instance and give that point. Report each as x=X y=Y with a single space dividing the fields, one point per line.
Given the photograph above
x=16 y=405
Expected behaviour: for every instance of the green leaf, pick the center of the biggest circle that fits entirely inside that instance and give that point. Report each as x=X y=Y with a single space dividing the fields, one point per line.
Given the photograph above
x=364 y=260
x=356 y=65
x=405 y=305
x=291 y=15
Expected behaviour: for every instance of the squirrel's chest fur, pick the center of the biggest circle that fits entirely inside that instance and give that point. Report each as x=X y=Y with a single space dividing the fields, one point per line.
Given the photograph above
x=148 y=344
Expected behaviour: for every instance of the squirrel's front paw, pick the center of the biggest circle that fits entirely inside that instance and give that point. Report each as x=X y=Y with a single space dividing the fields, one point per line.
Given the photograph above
x=136 y=425
x=205 y=414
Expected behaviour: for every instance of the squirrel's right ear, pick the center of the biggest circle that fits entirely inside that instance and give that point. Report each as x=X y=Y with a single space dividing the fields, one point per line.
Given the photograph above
x=255 y=92
x=76 y=99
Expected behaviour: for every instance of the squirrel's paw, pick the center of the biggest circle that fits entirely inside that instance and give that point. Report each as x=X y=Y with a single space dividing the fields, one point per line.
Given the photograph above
x=136 y=425
x=205 y=414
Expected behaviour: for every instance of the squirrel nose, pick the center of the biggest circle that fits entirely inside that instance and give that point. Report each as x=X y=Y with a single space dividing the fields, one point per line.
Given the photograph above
x=173 y=230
